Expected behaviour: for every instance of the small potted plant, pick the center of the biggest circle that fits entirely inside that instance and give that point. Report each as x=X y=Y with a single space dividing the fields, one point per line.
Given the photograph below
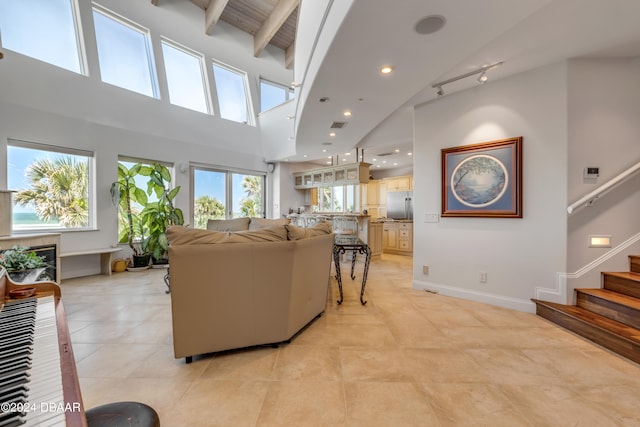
x=24 y=265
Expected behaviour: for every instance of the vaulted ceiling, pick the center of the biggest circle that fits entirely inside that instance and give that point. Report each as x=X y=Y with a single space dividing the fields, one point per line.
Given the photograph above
x=268 y=21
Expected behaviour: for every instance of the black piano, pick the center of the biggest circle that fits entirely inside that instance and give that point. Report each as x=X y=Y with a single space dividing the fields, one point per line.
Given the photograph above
x=39 y=383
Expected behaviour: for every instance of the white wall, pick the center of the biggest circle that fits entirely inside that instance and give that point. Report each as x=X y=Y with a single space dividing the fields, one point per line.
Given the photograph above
x=45 y=104
x=517 y=254
x=604 y=131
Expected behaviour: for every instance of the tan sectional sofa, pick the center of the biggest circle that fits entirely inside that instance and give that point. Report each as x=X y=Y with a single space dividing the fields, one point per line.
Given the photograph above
x=234 y=289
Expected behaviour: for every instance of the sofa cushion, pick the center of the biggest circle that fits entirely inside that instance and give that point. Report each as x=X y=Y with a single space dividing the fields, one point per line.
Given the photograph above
x=269 y=234
x=179 y=235
x=266 y=222
x=296 y=233
x=236 y=224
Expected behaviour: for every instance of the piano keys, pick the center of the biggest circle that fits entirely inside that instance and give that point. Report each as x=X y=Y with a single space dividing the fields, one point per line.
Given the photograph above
x=38 y=380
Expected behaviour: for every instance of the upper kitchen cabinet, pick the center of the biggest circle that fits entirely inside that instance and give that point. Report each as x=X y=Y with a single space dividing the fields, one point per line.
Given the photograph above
x=399 y=183
x=356 y=173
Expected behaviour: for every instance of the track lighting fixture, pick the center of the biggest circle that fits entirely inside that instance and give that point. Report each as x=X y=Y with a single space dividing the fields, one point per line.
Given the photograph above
x=481 y=79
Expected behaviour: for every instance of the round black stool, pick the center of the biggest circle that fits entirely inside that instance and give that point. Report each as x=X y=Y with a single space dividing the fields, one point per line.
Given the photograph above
x=123 y=414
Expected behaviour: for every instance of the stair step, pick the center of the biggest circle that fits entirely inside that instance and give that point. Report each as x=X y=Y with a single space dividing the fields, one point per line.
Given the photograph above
x=622 y=308
x=627 y=283
x=634 y=263
x=616 y=336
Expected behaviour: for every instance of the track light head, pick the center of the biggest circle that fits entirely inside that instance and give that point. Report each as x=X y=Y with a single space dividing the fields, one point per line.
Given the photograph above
x=483 y=78
x=440 y=92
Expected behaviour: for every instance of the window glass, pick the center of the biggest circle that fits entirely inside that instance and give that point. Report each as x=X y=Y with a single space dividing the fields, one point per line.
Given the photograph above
x=185 y=77
x=124 y=53
x=247 y=194
x=210 y=194
x=42 y=29
x=231 y=88
x=271 y=95
x=141 y=181
x=215 y=190
x=51 y=184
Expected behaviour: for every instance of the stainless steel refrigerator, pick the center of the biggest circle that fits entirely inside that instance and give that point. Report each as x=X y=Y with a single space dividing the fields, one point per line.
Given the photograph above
x=400 y=204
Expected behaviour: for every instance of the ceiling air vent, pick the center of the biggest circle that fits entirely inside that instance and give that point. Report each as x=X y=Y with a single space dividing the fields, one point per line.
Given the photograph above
x=385 y=154
x=338 y=125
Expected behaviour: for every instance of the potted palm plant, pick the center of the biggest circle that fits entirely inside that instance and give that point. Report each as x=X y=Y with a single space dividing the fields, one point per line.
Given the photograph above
x=124 y=194
x=157 y=216
x=24 y=265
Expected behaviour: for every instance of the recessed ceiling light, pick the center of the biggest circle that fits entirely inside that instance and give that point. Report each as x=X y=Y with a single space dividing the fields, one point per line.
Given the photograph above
x=409 y=153
x=397 y=150
x=324 y=150
x=344 y=160
x=347 y=113
x=329 y=157
x=329 y=162
x=332 y=134
x=384 y=161
x=305 y=156
x=387 y=69
x=347 y=154
x=377 y=166
x=373 y=160
x=395 y=164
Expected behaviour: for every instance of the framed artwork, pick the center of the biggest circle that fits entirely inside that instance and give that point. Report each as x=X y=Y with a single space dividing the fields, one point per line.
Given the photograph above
x=483 y=180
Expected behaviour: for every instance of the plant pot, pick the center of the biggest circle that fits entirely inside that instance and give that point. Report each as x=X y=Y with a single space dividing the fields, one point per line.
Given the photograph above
x=159 y=262
x=26 y=276
x=141 y=260
x=119 y=265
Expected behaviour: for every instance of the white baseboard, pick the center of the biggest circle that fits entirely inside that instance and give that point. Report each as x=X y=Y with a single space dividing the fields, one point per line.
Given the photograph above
x=483 y=297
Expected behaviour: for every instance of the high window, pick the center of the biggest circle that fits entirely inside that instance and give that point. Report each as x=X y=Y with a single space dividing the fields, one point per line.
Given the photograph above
x=46 y=30
x=232 y=90
x=223 y=194
x=186 y=77
x=273 y=94
x=124 y=53
x=52 y=186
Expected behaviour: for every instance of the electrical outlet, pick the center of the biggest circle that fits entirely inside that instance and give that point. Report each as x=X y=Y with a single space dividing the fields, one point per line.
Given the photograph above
x=425 y=270
x=483 y=277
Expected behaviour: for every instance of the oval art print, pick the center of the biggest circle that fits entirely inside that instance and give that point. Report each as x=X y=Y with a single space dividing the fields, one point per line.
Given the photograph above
x=479 y=181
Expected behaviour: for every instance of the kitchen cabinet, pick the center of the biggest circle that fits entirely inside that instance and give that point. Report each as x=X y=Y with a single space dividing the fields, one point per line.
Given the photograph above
x=399 y=183
x=373 y=199
x=311 y=197
x=375 y=238
x=398 y=238
x=356 y=173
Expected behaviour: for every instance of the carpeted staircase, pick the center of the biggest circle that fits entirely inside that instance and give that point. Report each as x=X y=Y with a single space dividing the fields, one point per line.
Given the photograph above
x=608 y=316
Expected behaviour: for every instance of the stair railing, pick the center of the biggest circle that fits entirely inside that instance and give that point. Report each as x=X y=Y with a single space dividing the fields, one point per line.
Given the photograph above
x=590 y=198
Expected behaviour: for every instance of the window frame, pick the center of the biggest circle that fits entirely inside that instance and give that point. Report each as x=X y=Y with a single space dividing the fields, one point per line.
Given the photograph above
x=228 y=202
x=251 y=120
x=150 y=58
x=91 y=184
x=203 y=73
x=289 y=92
x=81 y=53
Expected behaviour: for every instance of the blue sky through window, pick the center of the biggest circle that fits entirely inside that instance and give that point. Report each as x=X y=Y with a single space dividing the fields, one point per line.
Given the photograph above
x=124 y=54
x=185 y=78
x=41 y=29
x=232 y=97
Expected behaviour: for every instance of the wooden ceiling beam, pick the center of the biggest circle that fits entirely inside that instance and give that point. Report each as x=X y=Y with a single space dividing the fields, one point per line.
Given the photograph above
x=272 y=24
x=289 y=56
x=212 y=14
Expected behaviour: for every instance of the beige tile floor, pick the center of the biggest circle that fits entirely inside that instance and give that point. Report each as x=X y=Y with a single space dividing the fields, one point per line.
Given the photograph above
x=407 y=358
